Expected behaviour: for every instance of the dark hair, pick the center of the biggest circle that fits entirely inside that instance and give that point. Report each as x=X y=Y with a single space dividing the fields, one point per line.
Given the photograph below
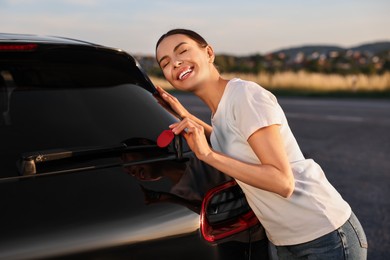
x=191 y=34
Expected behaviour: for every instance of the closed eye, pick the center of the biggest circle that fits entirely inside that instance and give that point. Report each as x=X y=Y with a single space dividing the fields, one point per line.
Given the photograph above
x=164 y=64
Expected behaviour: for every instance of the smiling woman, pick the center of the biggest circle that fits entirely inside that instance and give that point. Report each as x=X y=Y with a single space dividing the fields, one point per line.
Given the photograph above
x=251 y=141
x=187 y=56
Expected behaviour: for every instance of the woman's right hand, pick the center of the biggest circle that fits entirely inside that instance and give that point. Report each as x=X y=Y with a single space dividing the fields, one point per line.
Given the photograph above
x=173 y=102
x=195 y=136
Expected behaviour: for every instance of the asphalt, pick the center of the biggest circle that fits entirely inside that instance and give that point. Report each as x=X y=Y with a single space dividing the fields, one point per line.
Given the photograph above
x=350 y=139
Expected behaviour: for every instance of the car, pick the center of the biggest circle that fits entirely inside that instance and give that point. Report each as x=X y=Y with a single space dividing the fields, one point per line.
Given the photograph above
x=82 y=175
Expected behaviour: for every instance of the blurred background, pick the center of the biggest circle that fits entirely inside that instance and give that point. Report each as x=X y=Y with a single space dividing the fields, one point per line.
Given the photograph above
x=300 y=47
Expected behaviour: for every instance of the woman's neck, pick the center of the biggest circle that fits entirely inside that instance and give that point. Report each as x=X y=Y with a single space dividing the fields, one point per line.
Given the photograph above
x=211 y=92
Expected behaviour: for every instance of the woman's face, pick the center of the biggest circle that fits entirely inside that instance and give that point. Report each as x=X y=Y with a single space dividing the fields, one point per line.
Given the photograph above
x=184 y=63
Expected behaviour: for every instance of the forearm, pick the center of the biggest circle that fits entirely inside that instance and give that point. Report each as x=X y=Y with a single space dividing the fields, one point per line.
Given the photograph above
x=274 y=174
x=265 y=177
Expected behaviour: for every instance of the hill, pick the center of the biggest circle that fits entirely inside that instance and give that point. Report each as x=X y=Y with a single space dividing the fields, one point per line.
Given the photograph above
x=371 y=48
x=374 y=48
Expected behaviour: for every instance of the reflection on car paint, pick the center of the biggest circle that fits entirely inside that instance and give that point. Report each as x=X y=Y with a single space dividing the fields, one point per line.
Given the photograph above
x=190 y=180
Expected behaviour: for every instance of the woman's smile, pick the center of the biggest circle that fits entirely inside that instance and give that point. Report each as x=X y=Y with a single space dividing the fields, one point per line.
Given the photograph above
x=184 y=73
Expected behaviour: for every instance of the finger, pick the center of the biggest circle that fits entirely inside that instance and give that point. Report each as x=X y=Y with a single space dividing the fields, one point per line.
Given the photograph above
x=160 y=89
x=173 y=125
x=163 y=93
x=189 y=133
x=179 y=129
x=182 y=126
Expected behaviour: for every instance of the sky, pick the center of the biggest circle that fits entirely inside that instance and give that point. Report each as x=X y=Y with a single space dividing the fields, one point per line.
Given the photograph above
x=237 y=27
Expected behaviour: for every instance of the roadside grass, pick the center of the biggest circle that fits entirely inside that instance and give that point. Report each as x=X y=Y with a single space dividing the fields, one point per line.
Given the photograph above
x=313 y=84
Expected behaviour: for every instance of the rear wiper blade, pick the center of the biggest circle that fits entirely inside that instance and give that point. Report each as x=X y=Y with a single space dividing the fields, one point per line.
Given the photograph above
x=28 y=161
x=27 y=164
x=98 y=167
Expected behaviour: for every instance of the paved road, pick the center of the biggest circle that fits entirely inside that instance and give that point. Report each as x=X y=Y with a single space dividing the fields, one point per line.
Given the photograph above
x=350 y=139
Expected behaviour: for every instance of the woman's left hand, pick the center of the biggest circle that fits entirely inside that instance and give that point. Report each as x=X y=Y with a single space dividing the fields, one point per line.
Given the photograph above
x=173 y=102
x=194 y=135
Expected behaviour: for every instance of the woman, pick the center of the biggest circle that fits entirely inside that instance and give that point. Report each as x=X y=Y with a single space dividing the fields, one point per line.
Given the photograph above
x=304 y=216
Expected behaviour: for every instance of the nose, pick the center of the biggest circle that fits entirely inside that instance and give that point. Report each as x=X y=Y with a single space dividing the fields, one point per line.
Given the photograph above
x=177 y=63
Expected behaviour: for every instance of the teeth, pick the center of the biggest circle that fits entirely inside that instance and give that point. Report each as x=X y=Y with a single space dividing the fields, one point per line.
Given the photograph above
x=184 y=73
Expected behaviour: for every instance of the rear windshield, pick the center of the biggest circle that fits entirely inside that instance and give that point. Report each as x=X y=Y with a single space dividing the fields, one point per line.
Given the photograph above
x=64 y=67
x=72 y=99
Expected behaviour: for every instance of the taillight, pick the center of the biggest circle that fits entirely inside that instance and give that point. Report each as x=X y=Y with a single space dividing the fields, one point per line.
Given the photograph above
x=18 y=47
x=225 y=212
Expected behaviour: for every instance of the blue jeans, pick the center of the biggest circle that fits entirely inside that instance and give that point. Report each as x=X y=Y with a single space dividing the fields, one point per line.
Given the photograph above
x=347 y=242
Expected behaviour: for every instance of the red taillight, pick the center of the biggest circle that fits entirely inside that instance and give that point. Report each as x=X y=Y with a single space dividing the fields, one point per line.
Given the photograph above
x=213 y=233
x=18 y=47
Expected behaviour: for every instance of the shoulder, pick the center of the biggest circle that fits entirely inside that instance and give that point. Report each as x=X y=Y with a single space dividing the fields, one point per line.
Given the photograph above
x=245 y=91
x=237 y=84
x=251 y=107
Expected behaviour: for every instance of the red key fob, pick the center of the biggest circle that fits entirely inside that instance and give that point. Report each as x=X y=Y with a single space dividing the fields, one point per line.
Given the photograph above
x=165 y=138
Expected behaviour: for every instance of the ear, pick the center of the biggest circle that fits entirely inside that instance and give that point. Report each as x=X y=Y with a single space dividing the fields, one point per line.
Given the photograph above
x=210 y=53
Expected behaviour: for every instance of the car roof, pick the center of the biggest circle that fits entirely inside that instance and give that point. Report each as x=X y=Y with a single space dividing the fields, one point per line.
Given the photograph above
x=31 y=38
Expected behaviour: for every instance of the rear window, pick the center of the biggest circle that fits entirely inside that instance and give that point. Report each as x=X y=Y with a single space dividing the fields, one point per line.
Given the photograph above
x=62 y=98
x=63 y=67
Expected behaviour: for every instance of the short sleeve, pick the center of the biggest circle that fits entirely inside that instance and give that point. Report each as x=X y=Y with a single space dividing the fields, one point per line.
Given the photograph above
x=253 y=108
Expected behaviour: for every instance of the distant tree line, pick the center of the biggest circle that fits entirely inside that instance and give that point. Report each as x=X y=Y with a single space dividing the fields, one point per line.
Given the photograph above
x=328 y=60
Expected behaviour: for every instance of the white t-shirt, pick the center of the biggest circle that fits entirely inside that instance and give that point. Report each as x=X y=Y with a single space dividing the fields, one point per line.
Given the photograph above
x=315 y=208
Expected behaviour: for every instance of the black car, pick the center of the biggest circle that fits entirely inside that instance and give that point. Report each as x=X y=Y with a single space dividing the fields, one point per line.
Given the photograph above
x=81 y=174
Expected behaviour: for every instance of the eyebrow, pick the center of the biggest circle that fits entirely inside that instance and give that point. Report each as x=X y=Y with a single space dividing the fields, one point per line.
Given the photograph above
x=174 y=49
